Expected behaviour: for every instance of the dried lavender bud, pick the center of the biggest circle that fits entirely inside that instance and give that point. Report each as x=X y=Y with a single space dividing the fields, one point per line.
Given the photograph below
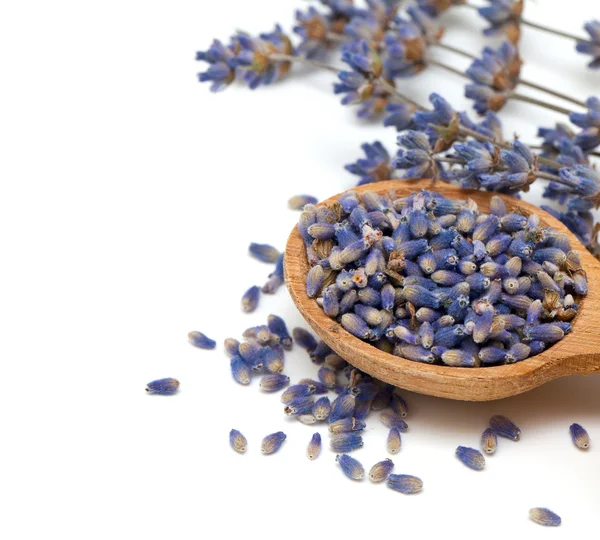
x=398 y=405
x=232 y=346
x=346 y=425
x=345 y=442
x=380 y=471
x=298 y=202
x=278 y=327
x=314 y=447
x=264 y=252
x=237 y=441
x=240 y=370
x=471 y=458
x=250 y=299
x=405 y=483
x=304 y=339
x=314 y=281
x=297 y=391
x=351 y=467
x=327 y=377
x=299 y=406
x=545 y=517
x=272 y=443
x=504 y=427
x=394 y=440
x=342 y=407
x=274 y=382
x=163 y=387
x=322 y=408
x=393 y=420
x=580 y=436
x=306 y=419
x=198 y=339
x=407 y=272
x=489 y=441
x=317 y=387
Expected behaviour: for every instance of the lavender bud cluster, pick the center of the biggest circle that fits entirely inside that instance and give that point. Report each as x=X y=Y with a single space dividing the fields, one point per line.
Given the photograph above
x=439 y=281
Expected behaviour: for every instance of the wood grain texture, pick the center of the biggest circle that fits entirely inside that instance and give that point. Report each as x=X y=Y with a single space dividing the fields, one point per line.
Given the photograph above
x=578 y=352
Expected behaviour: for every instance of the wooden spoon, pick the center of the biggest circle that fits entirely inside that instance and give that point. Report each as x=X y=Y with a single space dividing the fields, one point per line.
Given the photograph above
x=578 y=352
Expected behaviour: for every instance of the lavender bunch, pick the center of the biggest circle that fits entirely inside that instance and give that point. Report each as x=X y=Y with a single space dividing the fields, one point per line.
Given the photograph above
x=379 y=46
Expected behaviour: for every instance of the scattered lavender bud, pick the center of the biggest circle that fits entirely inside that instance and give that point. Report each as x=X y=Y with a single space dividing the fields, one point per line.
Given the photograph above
x=240 y=370
x=351 y=467
x=545 y=517
x=297 y=391
x=346 y=442
x=232 y=347
x=471 y=458
x=298 y=202
x=393 y=420
x=237 y=441
x=264 y=252
x=380 y=471
x=272 y=443
x=306 y=419
x=580 y=436
x=405 y=483
x=314 y=447
x=250 y=299
x=346 y=425
x=398 y=405
x=342 y=407
x=163 y=387
x=489 y=441
x=317 y=387
x=504 y=427
x=322 y=408
x=304 y=339
x=327 y=377
x=274 y=382
x=278 y=327
x=198 y=339
x=299 y=406
x=394 y=440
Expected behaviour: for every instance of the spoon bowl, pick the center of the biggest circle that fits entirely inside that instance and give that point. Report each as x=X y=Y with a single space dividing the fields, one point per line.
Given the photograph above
x=577 y=353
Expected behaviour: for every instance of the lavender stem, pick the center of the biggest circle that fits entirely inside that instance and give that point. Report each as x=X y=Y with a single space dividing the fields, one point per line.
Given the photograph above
x=524 y=82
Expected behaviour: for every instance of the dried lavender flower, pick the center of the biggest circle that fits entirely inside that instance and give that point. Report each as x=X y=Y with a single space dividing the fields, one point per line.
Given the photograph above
x=504 y=427
x=163 y=387
x=394 y=440
x=264 y=252
x=250 y=299
x=351 y=467
x=380 y=471
x=198 y=339
x=489 y=441
x=298 y=202
x=274 y=382
x=314 y=447
x=238 y=441
x=545 y=517
x=580 y=436
x=471 y=458
x=272 y=443
x=345 y=442
x=405 y=483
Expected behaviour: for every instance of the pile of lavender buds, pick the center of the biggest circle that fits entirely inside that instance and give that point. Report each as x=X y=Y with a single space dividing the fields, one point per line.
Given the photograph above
x=437 y=280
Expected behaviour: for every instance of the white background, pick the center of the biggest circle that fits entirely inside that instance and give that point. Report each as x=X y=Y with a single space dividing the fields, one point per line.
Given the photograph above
x=129 y=195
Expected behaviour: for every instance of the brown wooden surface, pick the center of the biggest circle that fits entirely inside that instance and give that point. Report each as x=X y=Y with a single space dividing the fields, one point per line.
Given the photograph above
x=578 y=352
